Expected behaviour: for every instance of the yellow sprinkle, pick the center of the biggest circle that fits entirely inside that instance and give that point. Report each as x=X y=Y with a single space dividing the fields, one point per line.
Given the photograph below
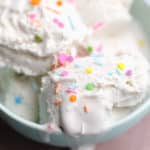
x=121 y=66
x=141 y=43
x=89 y=70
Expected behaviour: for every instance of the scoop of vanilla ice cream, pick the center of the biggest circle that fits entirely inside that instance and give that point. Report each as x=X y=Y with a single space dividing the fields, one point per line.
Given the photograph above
x=82 y=95
x=30 y=34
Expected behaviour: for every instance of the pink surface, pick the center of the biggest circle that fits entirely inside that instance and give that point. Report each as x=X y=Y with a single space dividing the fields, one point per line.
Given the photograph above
x=137 y=138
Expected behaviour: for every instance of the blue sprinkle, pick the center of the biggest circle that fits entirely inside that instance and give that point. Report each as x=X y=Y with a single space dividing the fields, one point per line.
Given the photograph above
x=110 y=73
x=99 y=63
x=73 y=86
x=97 y=55
x=71 y=23
x=118 y=72
x=78 y=65
x=18 y=100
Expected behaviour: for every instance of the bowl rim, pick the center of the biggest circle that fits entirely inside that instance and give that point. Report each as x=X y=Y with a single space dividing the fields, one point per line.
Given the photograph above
x=144 y=107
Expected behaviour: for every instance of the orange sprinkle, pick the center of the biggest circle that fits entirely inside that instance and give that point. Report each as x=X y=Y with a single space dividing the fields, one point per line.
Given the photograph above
x=58 y=102
x=53 y=10
x=59 y=3
x=58 y=88
x=73 y=98
x=86 y=109
x=35 y=2
x=37 y=23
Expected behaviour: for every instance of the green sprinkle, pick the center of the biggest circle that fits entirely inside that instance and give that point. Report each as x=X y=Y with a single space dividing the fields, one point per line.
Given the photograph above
x=90 y=86
x=89 y=48
x=38 y=38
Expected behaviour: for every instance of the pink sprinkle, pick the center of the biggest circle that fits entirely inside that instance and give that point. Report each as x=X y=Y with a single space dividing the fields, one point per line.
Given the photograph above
x=70 y=59
x=99 y=48
x=64 y=73
x=62 y=59
x=32 y=16
x=70 y=91
x=129 y=73
x=55 y=20
x=59 y=23
x=71 y=1
x=98 y=25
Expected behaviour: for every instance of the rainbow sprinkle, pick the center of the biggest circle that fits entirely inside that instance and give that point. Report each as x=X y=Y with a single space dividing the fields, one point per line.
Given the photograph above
x=121 y=66
x=86 y=108
x=35 y=2
x=90 y=86
x=129 y=73
x=71 y=23
x=73 y=98
x=90 y=49
x=18 y=100
x=141 y=43
x=89 y=70
x=58 y=23
x=38 y=38
x=64 y=73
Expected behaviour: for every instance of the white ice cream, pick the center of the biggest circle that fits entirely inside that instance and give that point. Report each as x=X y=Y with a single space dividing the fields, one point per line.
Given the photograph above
x=30 y=35
x=117 y=75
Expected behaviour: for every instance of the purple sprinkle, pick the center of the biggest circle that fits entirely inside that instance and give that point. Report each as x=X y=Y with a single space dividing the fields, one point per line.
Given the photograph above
x=129 y=73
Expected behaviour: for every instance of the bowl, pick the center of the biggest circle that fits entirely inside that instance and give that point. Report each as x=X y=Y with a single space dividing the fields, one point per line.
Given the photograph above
x=39 y=133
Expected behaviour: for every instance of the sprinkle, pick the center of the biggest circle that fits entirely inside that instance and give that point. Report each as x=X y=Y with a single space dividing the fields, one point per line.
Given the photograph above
x=53 y=10
x=58 y=88
x=62 y=59
x=64 y=73
x=38 y=38
x=90 y=49
x=86 y=109
x=18 y=100
x=32 y=16
x=110 y=73
x=69 y=90
x=58 y=23
x=129 y=73
x=98 y=25
x=58 y=102
x=59 y=3
x=71 y=1
x=78 y=65
x=89 y=70
x=99 y=48
x=98 y=63
x=141 y=43
x=73 y=98
x=35 y=2
x=90 y=86
x=70 y=59
x=121 y=66
x=71 y=23
x=118 y=72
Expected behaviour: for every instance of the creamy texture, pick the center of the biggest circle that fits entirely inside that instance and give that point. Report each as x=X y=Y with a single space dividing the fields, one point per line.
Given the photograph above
x=30 y=35
x=19 y=94
x=113 y=13
x=82 y=95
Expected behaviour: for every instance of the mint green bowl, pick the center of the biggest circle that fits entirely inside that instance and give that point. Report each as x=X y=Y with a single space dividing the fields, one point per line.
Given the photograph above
x=38 y=132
